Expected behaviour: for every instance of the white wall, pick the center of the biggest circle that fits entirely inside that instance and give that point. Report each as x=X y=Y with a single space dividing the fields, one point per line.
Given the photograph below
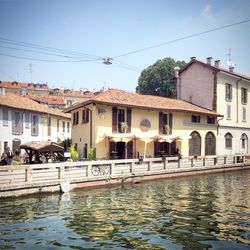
x=6 y=131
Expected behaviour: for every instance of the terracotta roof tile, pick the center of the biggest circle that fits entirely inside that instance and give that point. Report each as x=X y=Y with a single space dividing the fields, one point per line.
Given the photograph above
x=53 y=100
x=24 y=103
x=129 y=99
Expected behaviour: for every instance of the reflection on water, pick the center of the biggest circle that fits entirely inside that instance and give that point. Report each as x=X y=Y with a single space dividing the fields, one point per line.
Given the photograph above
x=201 y=212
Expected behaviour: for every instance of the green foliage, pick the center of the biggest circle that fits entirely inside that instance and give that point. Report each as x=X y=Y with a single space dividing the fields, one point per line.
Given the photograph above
x=157 y=79
x=92 y=154
x=74 y=153
x=16 y=160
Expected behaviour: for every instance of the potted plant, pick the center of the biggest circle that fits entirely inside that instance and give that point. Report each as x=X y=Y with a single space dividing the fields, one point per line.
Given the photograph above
x=167 y=129
x=124 y=127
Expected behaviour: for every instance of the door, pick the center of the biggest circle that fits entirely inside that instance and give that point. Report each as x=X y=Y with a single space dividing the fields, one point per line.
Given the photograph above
x=210 y=144
x=195 y=144
x=16 y=146
x=121 y=147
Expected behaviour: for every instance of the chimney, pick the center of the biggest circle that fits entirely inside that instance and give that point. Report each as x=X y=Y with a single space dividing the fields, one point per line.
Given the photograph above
x=217 y=63
x=231 y=69
x=2 y=91
x=192 y=58
x=209 y=60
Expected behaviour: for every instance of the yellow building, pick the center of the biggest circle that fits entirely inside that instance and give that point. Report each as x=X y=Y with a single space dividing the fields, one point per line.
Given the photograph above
x=122 y=124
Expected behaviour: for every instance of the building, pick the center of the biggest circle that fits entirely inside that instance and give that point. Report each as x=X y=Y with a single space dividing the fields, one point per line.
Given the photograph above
x=23 y=120
x=120 y=124
x=41 y=93
x=223 y=91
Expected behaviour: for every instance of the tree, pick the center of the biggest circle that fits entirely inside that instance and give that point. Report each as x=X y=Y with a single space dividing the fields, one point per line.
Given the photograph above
x=158 y=79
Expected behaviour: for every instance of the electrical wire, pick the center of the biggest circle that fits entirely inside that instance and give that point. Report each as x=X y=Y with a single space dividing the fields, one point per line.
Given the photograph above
x=182 y=38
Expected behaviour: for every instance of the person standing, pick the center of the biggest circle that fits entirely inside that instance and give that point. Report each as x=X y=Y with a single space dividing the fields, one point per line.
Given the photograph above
x=9 y=156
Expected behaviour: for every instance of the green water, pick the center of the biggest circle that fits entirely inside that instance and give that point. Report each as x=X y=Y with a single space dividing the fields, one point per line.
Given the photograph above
x=198 y=212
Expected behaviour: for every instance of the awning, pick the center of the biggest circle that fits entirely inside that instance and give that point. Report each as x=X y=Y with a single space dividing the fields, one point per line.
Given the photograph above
x=125 y=137
x=167 y=138
x=146 y=137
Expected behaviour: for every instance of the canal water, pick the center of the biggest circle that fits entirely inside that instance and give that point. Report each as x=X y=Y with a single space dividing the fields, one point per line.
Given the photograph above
x=198 y=212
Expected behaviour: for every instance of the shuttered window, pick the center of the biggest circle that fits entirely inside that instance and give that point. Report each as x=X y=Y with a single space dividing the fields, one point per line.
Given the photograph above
x=5 y=117
x=243 y=95
x=165 y=123
x=228 y=111
x=244 y=114
x=229 y=92
x=114 y=119
x=34 y=125
x=228 y=141
x=195 y=144
x=17 y=123
x=129 y=113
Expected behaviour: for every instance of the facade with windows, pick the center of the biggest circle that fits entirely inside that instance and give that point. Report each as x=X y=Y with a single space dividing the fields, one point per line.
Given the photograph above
x=227 y=93
x=120 y=124
x=23 y=120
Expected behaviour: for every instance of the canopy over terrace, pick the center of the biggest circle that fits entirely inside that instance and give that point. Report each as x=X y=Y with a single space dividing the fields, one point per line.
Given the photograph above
x=146 y=138
x=38 y=150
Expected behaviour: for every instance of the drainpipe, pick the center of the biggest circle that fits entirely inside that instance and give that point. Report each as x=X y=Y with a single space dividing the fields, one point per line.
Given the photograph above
x=237 y=99
x=90 y=127
x=218 y=125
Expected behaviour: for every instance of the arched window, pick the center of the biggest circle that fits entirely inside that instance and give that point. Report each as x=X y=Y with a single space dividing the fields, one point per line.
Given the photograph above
x=210 y=144
x=244 y=141
x=195 y=144
x=228 y=140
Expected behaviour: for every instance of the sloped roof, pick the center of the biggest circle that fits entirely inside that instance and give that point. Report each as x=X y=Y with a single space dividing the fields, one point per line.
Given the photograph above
x=218 y=69
x=117 y=97
x=24 y=103
x=19 y=85
x=51 y=100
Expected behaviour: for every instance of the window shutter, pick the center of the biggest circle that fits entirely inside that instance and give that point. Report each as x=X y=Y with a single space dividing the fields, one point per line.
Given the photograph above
x=170 y=123
x=130 y=150
x=129 y=120
x=114 y=119
x=160 y=123
x=87 y=116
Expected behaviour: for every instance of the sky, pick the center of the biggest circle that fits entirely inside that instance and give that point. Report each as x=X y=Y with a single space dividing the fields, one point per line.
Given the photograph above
x=77 y=36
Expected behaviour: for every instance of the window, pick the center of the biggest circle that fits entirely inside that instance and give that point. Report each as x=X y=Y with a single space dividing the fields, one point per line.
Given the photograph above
x=58 y=124
x=211 y=120
x=243 y=95
x=5 y=117
x=69 y=103
x=68 y=126
x=34 y=125
x=85 y=116
x=165 y=123
x=243 y=141
x=229 y=92
x=228 y=140
x=244 y=114
x=49 y=126
x=17 y=123
x=229 y=112
x=121 y=119
x=27 y=120
x=63 y=126
x=196 y=118
x=75 y=118
x=5 y=145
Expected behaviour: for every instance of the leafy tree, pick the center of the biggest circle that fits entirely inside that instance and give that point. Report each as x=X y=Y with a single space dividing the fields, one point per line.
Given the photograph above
x=157 y=79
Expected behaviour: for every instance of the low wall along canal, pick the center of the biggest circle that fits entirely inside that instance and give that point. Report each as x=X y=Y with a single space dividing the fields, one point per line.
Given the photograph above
x=39 y=178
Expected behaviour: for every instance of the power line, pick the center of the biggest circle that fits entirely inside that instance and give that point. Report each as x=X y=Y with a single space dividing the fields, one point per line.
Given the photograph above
x=5 y=73
x=182 y=38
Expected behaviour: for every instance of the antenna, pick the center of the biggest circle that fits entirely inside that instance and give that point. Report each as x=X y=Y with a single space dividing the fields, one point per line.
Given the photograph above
x=31 y=71
x=229 y=61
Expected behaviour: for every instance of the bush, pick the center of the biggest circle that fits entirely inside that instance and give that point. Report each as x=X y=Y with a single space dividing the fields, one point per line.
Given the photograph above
x=91 y=154
x=73 y=153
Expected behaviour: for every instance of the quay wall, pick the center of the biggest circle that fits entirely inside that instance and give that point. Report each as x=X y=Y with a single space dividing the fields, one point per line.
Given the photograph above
x=54 y=177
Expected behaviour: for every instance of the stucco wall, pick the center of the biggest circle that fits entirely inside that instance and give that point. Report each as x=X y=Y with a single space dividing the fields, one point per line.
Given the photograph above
x=102 y=124
x=6 y=131
x=197 y=85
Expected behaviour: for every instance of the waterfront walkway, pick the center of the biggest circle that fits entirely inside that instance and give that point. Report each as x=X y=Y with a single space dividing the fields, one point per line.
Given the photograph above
x=38 y=178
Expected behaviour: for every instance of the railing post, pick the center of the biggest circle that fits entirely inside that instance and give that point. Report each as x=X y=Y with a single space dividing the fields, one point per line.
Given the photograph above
x=225 y=160
x=112 y=167
x=179 y=163
x=150 y=164
x=165 y=162
x=61 y=172
x=89 y=169
x=28 y=174
x=204 y=161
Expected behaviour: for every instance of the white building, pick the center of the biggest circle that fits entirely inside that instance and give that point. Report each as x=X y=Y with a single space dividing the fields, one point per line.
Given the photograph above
x=23 y=120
